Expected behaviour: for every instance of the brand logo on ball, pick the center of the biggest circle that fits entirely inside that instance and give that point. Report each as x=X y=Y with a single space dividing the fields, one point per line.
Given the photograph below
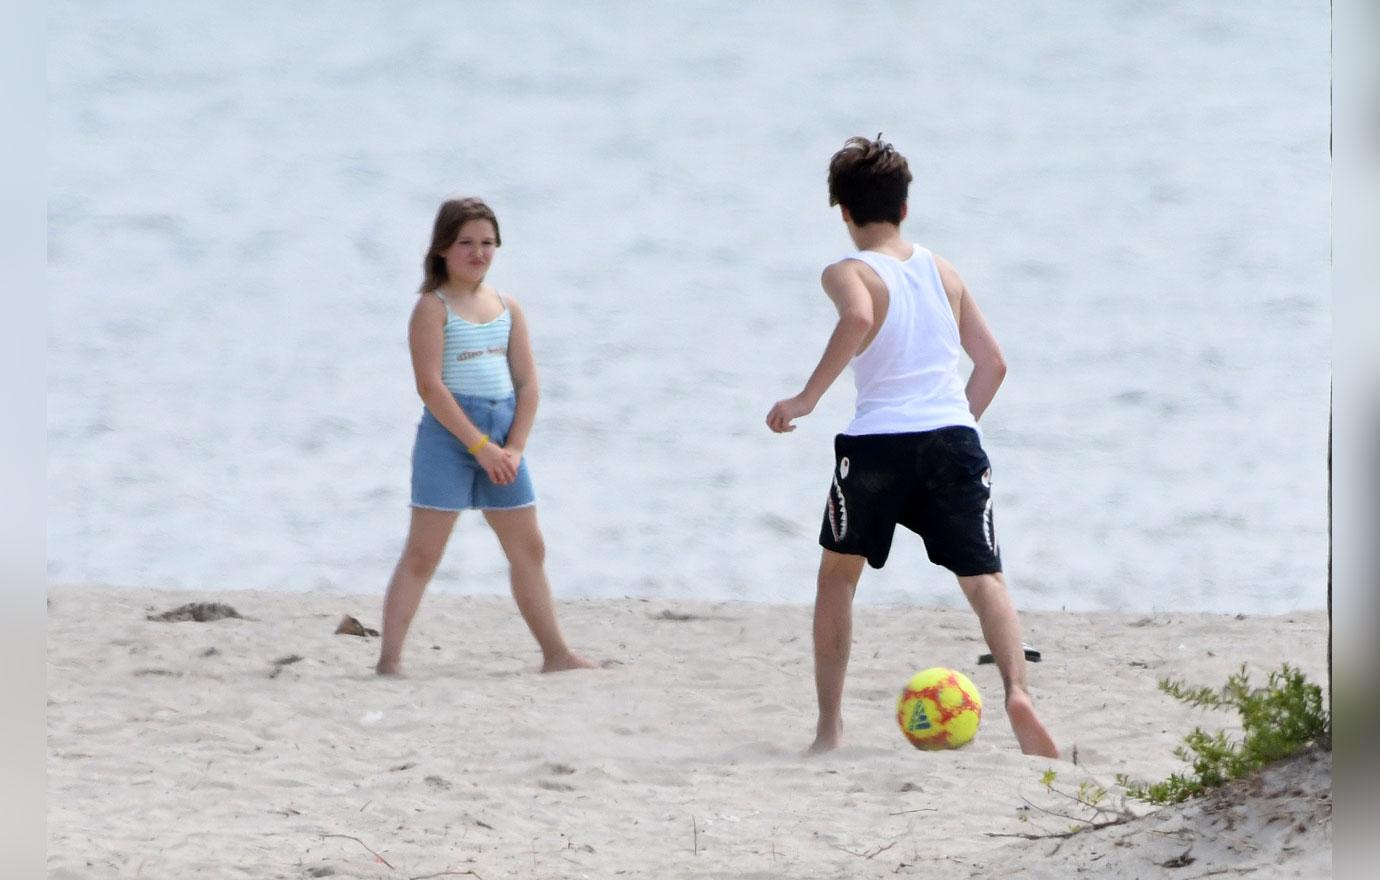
x=919 y=720
x=843 y=467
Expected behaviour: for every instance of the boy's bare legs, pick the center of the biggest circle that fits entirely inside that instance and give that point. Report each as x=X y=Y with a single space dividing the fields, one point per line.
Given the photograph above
x=833 y=634
x=520 y=537
x=1002 y=629
x=426 y=542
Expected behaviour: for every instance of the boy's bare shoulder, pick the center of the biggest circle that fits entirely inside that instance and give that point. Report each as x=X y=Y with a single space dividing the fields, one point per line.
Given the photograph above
x=953 y=282
x=841 y=270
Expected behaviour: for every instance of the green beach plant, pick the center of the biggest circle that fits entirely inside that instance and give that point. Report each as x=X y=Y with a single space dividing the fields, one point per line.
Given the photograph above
x=1278 y=720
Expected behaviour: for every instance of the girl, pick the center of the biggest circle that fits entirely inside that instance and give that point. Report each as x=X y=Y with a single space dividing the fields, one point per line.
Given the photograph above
x=476 y=376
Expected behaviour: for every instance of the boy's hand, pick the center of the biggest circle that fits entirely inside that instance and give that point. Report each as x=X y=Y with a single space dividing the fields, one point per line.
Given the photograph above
x=786 y=411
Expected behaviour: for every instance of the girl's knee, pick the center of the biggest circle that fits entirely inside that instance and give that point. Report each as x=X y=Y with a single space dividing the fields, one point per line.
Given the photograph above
x=530 y=551
x=419 y=563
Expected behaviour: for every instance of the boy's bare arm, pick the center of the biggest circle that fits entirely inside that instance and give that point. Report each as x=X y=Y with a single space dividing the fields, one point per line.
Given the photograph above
x=845 y=288
x=977 y=339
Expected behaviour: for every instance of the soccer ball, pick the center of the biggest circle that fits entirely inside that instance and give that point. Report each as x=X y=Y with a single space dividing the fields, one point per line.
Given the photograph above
x=939 y=709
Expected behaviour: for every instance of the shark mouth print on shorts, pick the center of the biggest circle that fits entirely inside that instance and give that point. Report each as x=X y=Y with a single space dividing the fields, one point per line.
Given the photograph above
x=989 y=530
x=838 y=511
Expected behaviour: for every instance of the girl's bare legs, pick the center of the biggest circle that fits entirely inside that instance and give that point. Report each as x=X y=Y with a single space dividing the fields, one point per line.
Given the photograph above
x=520 y=537
x=1002 y=630
x=426 y=542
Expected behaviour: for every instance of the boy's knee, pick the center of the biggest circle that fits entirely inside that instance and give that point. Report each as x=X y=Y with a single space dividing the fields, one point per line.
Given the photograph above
x=982 y=584
x=838 y=571
x=836 y=583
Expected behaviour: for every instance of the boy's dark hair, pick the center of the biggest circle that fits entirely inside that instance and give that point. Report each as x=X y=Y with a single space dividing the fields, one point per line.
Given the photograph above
x=452 y=214
x=870 y=179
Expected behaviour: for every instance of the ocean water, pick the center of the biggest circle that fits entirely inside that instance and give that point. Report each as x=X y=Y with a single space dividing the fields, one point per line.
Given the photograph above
x=1137 y=194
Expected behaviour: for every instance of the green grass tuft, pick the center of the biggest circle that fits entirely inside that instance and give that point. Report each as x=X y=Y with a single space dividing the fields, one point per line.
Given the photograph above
x=1277 y=721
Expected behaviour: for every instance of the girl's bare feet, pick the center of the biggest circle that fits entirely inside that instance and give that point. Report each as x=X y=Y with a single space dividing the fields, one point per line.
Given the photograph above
x=567 y=662
x=389 y=670
x=827 y=738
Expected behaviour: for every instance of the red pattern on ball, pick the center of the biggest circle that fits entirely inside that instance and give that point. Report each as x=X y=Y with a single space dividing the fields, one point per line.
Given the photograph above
x=946 y=714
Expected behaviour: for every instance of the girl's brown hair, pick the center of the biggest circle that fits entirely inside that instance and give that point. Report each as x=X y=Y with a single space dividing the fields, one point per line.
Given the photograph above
x=453 y=214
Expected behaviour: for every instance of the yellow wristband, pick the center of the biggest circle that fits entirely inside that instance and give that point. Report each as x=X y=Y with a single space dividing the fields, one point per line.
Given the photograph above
x=478 y=444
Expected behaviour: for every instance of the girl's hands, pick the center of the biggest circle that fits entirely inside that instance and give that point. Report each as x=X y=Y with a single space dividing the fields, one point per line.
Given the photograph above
x=499 y=463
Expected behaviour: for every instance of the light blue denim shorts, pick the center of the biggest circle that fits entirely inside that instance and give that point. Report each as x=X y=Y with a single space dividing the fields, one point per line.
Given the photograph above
x=446 y=477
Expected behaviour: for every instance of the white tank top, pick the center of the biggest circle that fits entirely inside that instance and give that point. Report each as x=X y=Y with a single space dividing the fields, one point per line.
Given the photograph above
x=907 y=378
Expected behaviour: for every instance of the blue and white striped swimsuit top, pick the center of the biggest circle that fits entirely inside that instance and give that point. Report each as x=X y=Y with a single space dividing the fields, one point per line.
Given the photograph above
x=474 y=362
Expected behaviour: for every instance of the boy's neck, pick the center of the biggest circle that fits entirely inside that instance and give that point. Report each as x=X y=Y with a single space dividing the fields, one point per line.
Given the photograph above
x=879 y=236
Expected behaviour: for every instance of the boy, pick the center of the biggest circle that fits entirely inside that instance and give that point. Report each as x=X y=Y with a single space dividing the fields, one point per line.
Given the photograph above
x=912 y=454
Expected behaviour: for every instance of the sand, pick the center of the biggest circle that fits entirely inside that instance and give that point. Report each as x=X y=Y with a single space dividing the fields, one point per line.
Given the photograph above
x=264 y=747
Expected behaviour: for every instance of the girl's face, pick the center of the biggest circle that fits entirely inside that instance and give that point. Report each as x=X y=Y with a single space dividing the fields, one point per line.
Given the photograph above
x=468 y=258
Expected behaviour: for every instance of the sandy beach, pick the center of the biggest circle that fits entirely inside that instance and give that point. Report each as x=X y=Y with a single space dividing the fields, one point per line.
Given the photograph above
x=264 y=747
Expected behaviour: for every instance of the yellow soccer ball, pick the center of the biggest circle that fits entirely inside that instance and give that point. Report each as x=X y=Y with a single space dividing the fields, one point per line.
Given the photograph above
x=939 y=709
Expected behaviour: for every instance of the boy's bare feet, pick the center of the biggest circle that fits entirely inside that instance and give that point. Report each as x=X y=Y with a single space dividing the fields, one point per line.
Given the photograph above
x=1030 y=733
x=568 y=662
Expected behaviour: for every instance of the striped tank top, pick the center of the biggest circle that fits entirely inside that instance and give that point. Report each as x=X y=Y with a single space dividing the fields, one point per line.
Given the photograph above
x=474 y=362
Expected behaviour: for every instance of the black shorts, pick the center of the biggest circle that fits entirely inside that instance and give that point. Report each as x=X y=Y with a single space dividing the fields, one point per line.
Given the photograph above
x=936 y=483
